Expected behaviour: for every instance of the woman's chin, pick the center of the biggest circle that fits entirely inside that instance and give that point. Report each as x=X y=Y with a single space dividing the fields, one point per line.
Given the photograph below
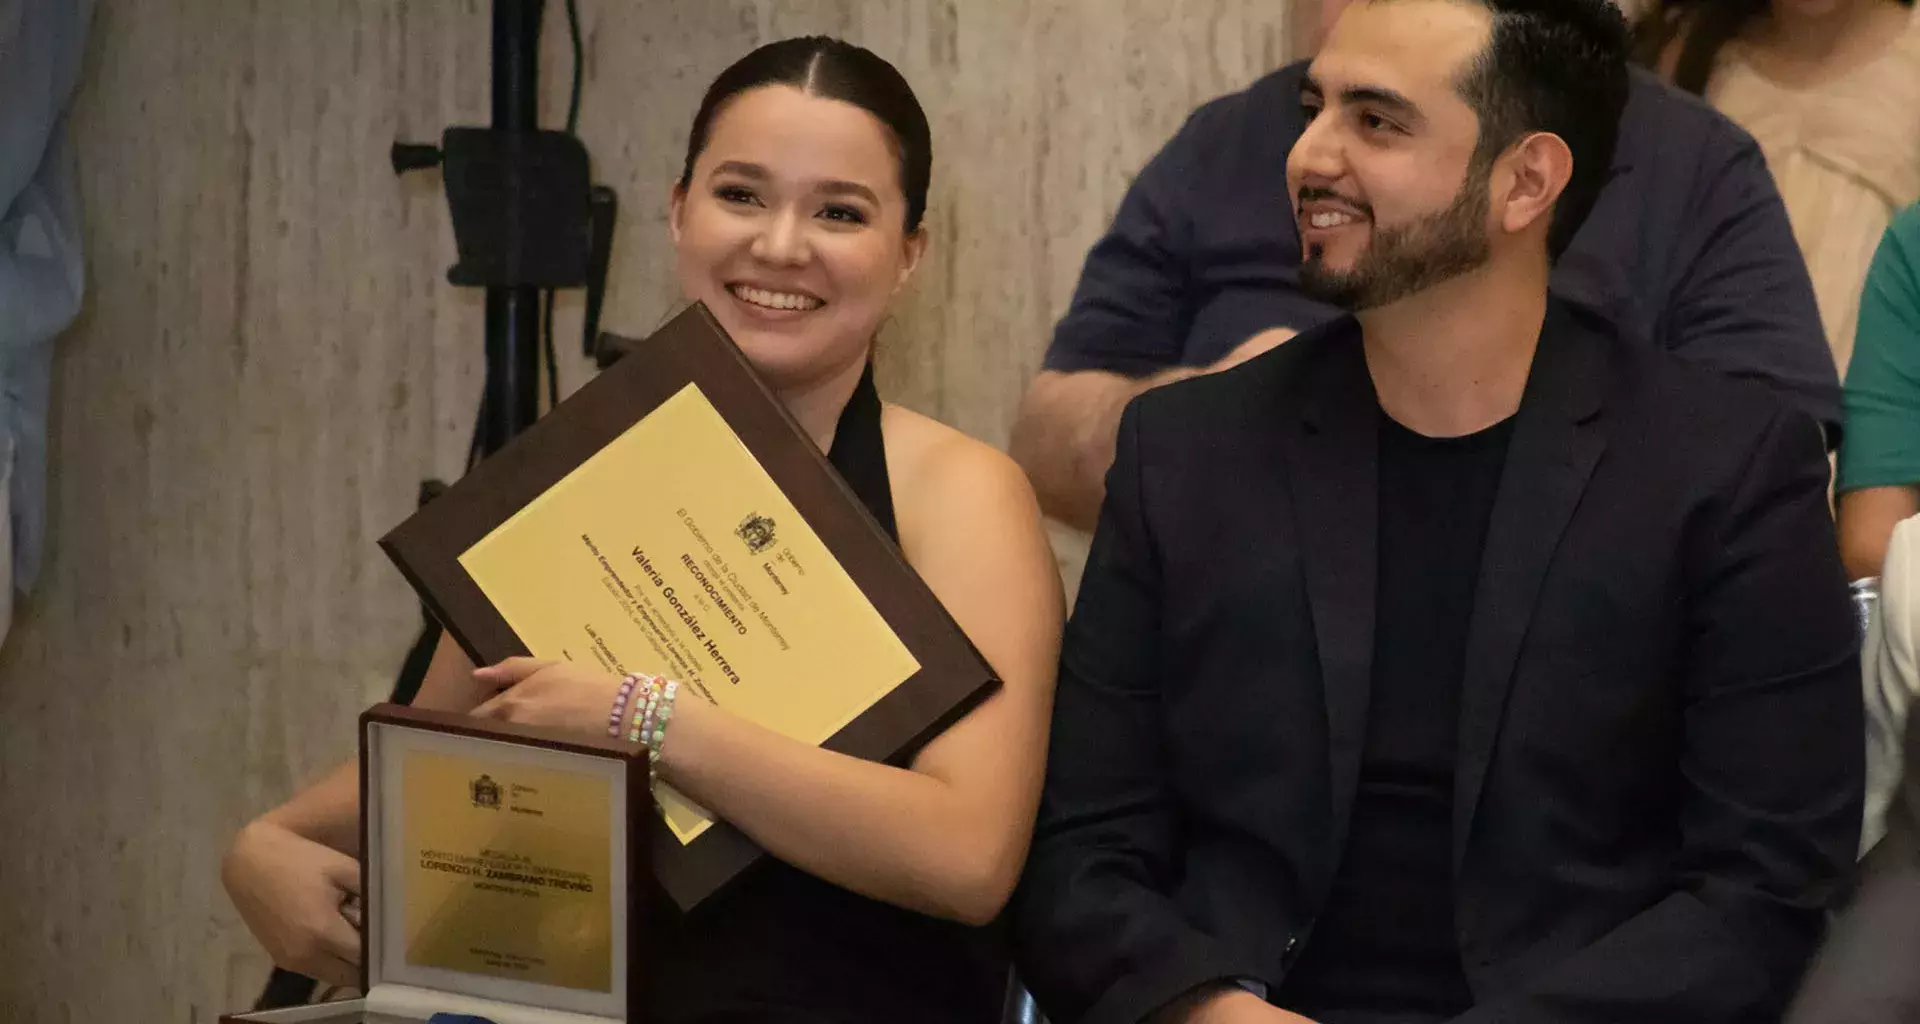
x=791 y=351
x=782 y=360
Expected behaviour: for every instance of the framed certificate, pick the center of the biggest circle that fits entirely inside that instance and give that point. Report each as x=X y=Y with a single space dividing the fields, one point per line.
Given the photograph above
x=671 y=518
x=504 y=871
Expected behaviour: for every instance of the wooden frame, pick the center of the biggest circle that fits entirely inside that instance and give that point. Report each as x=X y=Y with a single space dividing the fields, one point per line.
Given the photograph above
x=693 y=348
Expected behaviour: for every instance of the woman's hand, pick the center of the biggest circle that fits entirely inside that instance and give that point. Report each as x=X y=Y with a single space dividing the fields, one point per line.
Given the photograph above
x=293 y=893
x=563 y=694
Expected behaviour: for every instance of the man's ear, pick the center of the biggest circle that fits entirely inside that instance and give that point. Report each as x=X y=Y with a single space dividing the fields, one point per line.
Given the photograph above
x=914 y=248
x=1539 y=167
x=676 y=211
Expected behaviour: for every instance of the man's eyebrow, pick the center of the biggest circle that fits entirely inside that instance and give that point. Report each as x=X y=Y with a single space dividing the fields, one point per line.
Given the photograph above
x=1382 y=97
x=1378 y=95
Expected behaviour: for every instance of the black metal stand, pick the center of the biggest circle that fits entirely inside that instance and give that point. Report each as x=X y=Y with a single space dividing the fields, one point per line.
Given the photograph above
x=526 y=220
x=512 y=399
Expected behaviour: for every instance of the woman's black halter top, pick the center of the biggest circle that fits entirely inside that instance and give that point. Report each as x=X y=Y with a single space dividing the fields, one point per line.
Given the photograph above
x=781 y=945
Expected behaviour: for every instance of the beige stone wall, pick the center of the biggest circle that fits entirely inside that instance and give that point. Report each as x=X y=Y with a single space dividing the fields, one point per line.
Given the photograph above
x=270 y=360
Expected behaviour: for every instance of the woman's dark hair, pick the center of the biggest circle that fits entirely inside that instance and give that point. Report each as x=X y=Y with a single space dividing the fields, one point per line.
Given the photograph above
x=1703 y=27
x=836 y=70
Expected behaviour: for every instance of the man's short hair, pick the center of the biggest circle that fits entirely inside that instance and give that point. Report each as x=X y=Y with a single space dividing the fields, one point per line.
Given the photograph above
x=1556 y=66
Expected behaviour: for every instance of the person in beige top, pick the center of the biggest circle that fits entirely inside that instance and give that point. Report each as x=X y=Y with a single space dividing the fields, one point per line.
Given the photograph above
x=1831 y=90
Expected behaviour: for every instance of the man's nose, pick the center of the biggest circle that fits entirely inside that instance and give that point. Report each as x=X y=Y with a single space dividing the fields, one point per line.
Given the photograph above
x=1317 y=157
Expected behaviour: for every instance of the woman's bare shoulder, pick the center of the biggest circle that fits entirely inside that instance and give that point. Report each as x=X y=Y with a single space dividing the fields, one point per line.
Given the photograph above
x=971 y=527
x=922 y=451
x=939 y=473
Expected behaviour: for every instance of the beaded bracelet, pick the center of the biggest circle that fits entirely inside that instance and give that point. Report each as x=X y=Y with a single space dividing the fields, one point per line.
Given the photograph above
x=620 y=699
x=645 y=721
x=643 y=707
x=651 y=719
x=662 y=714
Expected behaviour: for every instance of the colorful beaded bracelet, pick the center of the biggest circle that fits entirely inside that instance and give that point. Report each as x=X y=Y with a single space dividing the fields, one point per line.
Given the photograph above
x=620 y=699
x=643 y=706
x=656 y=732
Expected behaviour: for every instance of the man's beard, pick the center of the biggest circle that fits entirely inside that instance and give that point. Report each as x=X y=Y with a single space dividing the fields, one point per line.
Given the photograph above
x=1408 y=259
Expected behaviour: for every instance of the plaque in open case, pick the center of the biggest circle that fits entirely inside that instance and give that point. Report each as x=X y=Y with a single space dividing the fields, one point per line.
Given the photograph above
x=671 y=518
x=505 y=873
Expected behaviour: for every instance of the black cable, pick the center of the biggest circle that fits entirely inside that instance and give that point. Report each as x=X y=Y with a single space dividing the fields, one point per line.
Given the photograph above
x=479 y=424
x=553 y=363
x=573 y=124
x=573 y=104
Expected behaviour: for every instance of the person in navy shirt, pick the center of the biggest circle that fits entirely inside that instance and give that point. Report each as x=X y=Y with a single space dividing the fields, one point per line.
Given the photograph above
x=1688 y=249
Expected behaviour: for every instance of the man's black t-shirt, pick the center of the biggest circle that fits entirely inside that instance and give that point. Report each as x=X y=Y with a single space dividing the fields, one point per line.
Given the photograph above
x=1384 y=947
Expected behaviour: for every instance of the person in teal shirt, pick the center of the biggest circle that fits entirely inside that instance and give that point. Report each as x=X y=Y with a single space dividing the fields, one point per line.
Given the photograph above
x=1880 y=454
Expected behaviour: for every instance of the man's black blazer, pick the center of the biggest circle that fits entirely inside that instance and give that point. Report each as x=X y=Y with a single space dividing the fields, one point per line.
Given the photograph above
x=1660 y=742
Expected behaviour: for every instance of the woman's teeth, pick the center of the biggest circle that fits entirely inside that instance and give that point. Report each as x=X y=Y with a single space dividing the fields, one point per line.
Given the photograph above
x=775 y=300
x=1330 y=220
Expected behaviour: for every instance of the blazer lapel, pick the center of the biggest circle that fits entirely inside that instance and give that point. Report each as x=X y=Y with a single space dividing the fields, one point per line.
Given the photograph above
x=1333 y=449
x=1557 y=441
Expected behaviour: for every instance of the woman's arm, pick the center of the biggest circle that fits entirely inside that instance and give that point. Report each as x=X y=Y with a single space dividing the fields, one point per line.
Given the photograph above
x=1867 y=519
x=947 y=838
x=290 y=871
x=1879 y=481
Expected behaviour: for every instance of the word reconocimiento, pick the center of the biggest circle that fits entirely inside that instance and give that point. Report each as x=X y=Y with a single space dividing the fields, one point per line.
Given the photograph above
x=713 y=593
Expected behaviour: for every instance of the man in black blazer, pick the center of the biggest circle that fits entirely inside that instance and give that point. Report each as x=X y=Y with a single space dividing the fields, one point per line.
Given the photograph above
x=1455 y=661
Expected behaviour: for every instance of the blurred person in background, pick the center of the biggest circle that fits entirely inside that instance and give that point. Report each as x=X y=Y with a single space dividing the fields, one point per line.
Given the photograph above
x=1879 y=483
x=1831 y=89
x=41 y=268
x=1879 y=495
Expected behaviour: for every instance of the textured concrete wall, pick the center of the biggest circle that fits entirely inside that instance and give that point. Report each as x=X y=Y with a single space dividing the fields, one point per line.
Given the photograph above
x=270 y=360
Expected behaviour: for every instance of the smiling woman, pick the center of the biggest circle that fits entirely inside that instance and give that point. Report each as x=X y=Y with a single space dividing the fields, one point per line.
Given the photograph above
x=797 y=214
x=796 y=219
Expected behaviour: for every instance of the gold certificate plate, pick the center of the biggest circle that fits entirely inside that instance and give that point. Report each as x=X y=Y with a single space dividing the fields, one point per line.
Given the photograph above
x=671 y=518
x=508 y=869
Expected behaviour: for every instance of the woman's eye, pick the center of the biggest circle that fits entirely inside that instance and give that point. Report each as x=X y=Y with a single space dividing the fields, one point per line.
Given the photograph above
x=843 y=214
x=735 y=194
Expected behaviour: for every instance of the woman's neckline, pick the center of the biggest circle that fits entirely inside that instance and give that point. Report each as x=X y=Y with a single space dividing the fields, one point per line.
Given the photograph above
x=1885 y=47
